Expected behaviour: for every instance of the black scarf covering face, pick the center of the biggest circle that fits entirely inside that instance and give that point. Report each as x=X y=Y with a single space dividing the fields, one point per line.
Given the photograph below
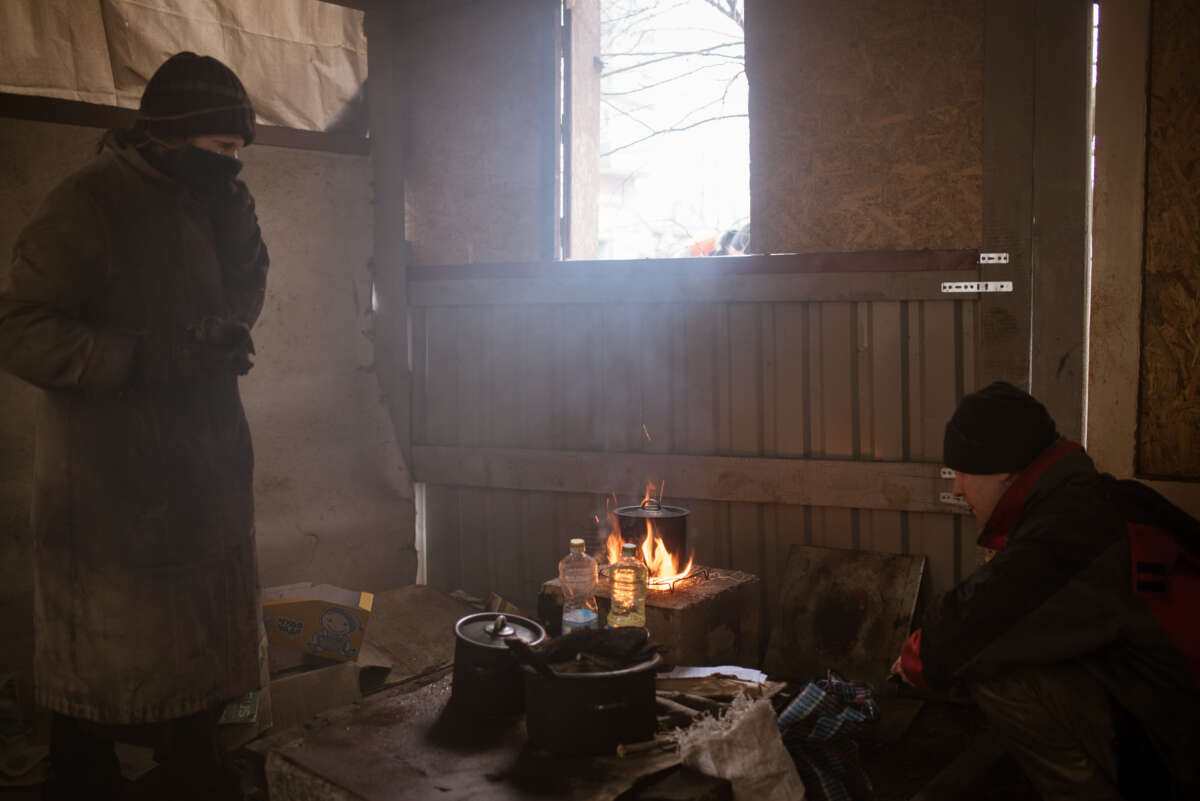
x=202 y=170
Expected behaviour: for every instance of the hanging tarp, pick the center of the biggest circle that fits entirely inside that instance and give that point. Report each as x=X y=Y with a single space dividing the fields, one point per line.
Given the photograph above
x=55 y=48
x=302 y=61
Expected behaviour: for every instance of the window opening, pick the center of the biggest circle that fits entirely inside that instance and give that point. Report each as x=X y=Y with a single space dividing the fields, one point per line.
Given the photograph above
x=673 y=143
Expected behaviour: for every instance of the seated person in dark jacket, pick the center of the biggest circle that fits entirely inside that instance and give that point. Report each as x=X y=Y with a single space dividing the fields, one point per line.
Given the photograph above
x=1080 y=639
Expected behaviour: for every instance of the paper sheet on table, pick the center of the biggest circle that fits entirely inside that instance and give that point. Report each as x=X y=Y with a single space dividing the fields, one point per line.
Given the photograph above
x=745 y=674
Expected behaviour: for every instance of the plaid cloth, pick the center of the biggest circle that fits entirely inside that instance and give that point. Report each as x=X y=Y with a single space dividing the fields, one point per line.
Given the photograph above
x=819 y=727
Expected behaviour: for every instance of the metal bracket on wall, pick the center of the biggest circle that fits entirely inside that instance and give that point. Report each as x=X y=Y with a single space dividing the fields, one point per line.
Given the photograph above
x=953 y=500
x=977 y=286
x=993 y=258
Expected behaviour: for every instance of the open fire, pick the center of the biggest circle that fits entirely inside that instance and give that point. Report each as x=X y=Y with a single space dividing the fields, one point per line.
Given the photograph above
x=662 y=565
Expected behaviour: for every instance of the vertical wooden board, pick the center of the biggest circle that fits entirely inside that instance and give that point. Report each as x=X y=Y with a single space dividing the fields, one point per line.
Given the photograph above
x=1060 y=272
x=622 y=402
x=657 y=374
x=420 y=366
x=833 y=527
x=505 y=542
x=913 y=367
x=1008 y=135
x=541 y=423
x=747 y=538
x=791 y=379
x=580 y=355
x=939 y=377
x=441 y=381
x=700 y=325
x=881 y=530
x=475 y=541
x=785 y=526
x=886 y=383
x=770 y=384
x=864 y=391
x=705 y=530
x=539 y=541
x=815 y=394
x=471 y=366
x=790 y=432
x=745 y=383
x=441 y=538
x=941 y=373
x=837 y=368
x=724 y=354
x=680 y=387
x=746 y=370
x=970 y=342
x=503 y=392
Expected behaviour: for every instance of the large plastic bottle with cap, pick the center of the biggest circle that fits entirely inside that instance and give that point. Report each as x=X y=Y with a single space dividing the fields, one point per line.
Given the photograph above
x=577 y=572
x=629 y=578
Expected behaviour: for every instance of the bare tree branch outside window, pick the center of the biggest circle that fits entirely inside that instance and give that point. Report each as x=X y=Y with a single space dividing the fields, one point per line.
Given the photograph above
x=672 y=83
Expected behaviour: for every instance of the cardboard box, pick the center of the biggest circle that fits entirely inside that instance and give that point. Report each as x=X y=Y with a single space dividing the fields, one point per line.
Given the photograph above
x=322 y=620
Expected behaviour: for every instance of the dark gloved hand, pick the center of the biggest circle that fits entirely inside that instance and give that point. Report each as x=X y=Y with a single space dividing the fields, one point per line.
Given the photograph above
x=220 y=345
x=214 y=347
x=235 y=225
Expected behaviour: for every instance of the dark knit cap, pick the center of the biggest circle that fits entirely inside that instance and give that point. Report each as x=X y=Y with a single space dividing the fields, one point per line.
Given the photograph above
x=190 y=95
x=999 y=429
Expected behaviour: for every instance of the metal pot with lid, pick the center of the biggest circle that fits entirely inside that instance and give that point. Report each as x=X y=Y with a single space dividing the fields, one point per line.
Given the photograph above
x=669 y=524
x=486 y=676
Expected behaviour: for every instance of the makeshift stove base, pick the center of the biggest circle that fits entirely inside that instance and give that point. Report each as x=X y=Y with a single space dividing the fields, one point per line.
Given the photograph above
x=709 y=621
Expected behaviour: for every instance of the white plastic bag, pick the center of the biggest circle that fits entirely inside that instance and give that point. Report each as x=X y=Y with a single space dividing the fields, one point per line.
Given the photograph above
x=744 y=747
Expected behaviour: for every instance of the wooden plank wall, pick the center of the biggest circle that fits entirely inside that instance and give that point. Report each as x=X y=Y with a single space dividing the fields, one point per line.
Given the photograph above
x=848 y=380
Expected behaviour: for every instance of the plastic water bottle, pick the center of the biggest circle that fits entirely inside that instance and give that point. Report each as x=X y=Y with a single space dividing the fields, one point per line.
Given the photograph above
x=629 y=578
x=577 y=572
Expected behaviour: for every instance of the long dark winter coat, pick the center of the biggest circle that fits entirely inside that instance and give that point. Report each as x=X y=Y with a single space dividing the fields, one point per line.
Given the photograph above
x=146 y=584
x=1092 y=570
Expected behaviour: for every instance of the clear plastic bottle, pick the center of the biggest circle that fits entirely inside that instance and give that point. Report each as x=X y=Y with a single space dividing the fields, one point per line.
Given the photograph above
x=629 y=578
x=578 y=573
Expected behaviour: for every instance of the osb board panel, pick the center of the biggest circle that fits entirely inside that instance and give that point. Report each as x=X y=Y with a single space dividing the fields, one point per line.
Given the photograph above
x=475 y=156
x=1169 y=416
x=866 y=124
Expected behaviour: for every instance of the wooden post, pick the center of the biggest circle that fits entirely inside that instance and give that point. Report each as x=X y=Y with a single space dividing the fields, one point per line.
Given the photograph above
x=1060 y=181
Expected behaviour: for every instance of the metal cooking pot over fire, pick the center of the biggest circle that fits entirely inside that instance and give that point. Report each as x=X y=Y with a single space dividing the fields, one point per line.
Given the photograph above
x=669 y=524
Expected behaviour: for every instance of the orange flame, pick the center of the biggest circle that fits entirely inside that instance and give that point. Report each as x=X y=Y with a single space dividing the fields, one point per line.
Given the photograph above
x=661 y=564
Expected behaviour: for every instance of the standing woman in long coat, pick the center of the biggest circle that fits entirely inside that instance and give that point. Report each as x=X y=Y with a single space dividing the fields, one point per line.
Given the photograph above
x=129 y=301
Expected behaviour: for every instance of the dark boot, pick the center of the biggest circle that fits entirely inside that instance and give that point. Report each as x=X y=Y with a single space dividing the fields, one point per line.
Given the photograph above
x=83 y=763
x=194 y=760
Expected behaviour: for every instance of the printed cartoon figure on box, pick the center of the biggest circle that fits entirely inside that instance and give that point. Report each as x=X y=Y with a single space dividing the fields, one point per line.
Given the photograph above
x=334 y=634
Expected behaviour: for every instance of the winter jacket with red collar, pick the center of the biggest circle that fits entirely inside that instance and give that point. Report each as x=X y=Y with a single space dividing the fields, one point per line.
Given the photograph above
x=1090 y=569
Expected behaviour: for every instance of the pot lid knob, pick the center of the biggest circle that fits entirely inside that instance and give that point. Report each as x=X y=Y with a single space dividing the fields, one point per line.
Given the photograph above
x=500 y=627
x=652 y=505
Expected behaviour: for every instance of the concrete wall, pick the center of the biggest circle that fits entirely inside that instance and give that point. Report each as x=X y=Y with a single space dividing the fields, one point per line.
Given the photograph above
x=333 y=497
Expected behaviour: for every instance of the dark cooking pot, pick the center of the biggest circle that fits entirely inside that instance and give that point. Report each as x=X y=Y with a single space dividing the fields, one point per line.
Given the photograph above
x=669 y=522
x=590 y=713
x=486 y=675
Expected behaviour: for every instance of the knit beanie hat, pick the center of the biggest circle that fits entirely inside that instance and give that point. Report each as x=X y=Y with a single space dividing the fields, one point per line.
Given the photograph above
x=190 y=95
x=999 y=429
